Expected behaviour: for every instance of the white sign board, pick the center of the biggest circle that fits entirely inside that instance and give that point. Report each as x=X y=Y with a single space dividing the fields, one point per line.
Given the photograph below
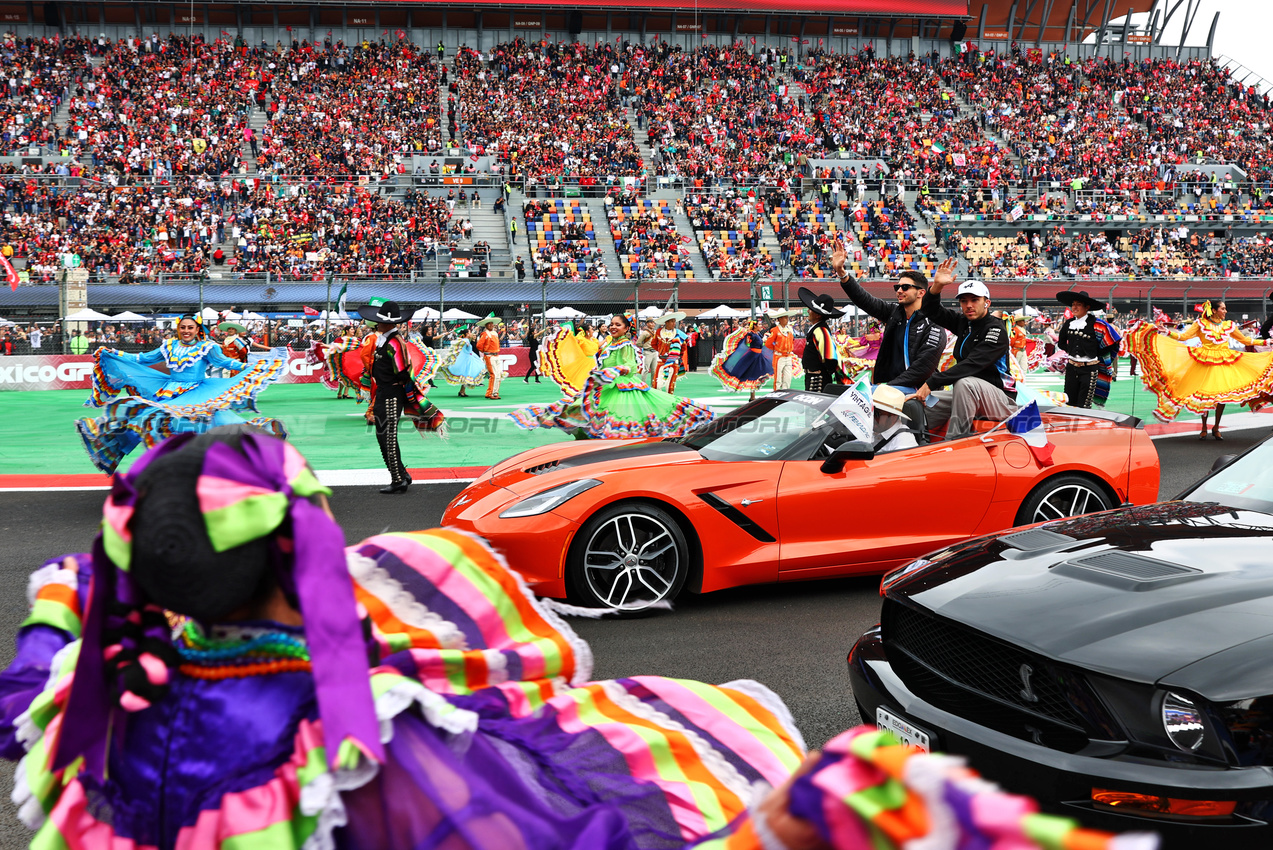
x=855 y=410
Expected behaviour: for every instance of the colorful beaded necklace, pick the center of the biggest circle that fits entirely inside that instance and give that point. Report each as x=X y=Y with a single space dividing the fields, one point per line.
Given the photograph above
x=261 y=654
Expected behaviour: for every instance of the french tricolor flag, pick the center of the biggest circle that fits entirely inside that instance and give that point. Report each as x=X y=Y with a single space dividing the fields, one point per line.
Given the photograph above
x=1027 y=424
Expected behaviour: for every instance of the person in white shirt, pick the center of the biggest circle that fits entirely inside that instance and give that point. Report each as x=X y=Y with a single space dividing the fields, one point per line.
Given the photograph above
x=892 y=432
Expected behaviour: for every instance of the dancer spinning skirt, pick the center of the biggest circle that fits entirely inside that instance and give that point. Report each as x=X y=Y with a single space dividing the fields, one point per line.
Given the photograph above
x=563 y=359
x=1200 y=377
x=461 y=366
x=615 y=402
x=344 y=365
x=744 y=363
x=859 y=355
x=143 y=405
x=260 y=722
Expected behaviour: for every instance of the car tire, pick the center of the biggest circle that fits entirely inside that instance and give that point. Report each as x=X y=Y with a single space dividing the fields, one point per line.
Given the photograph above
x=1061 y=497
x=612 y=564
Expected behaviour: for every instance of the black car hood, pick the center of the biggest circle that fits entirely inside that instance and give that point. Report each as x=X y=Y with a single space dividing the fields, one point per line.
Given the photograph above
x=1199 y=582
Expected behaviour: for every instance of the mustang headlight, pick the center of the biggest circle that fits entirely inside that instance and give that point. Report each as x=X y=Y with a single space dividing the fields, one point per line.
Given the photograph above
x=548 y=500
x=900 y=573
x=1183 y=722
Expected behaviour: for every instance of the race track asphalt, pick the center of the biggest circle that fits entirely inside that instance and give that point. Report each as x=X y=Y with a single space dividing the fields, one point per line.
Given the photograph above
x=793 y=638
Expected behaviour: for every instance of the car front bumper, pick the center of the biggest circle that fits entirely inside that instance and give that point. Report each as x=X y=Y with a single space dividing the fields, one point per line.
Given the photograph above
x=1062 y=782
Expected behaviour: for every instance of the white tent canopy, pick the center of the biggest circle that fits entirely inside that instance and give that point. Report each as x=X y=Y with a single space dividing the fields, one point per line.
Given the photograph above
x=129 y=316
x=721 y=312
x=1026 y=311
x=565 y=313
x=651 y=312
x=228 y=316
x=455 y=313
x=425 y=313
x=87 y=315
x=253 y=317
x=210 y=315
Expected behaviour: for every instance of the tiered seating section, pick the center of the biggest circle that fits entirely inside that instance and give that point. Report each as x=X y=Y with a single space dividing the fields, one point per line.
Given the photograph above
x=161 y=128
x=646 y=239
x=563 y=241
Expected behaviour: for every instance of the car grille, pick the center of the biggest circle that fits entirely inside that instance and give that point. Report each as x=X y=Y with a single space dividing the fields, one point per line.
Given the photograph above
x=973 y=675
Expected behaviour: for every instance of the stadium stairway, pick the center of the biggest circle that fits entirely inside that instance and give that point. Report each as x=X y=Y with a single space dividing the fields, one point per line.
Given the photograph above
x=605 y=239
x=642 y=140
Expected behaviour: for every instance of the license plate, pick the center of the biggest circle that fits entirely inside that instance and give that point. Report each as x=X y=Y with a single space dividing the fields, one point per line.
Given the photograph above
x=903 y=730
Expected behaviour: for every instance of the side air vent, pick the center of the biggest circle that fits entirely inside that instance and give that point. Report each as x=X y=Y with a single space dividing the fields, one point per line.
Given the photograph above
x=540 y=469
x=1035 y=538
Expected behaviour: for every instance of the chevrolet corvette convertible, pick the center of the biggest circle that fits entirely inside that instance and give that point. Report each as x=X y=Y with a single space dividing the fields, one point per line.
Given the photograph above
x=1117 y=666
x=778 y=491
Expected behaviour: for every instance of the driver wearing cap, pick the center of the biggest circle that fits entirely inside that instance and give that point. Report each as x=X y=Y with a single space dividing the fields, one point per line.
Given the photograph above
x=980 y=385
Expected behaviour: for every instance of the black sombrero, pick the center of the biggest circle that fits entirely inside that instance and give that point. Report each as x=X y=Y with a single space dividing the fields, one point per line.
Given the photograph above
x=388 y=313
x=823 y=305
x=1069 y=297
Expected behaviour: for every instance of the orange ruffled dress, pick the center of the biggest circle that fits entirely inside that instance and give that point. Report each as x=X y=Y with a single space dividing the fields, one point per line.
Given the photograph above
x=1200 y=377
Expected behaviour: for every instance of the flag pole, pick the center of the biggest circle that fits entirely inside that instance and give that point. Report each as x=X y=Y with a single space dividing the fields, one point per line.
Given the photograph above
x=327 y=321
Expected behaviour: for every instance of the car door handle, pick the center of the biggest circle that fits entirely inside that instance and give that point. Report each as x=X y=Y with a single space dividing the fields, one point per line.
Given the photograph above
x=746 y=502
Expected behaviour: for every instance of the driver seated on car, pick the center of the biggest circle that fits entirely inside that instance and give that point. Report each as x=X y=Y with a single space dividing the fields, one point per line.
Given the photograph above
x=981 y=386
x=892 y=432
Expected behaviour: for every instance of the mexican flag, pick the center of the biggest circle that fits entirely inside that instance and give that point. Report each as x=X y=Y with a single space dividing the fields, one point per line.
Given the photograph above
x=340 y=299
x=938 y=147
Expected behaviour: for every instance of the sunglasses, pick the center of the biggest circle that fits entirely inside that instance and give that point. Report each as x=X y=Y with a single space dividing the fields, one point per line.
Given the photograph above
x=902 y=287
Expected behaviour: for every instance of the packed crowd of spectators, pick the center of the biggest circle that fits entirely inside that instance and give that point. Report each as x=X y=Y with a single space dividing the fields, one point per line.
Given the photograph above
x=723 y=113
x=730 y=228
x=38 y=74
x=545 y=110
x=646 y=238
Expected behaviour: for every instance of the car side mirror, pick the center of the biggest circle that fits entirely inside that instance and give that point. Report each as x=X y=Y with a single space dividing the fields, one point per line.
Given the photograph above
x=845 y=452
x=1221 y=462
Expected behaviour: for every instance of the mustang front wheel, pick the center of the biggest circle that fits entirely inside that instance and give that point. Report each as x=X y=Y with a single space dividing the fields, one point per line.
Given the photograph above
x=1063 y=496
x=629 y=557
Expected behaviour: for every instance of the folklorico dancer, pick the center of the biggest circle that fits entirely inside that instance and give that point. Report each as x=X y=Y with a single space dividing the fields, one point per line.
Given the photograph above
x=235 y=343
x=820 y=358
x=744 y=363
x=1208 y=375
x=614 y=401
x=1019 y=342
x=488 y=347
x=669 y=342
x=143 y=405
x=781 y=341
x=565 y=361
x=1091 y=346
x=462 y=366
x=350 y=697
x=342 y=362
x=400 y=373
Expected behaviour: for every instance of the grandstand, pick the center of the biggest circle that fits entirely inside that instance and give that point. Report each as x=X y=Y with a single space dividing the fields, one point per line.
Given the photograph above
x=159 y=151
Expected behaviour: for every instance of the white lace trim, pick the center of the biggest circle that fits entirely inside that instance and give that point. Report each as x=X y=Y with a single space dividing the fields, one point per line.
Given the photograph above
x=437 y=711
x=30 y=812
x=769 y=840
x=401 y=603
x=567 y=610
x=715 y=763
x=580 y=647
x=49 y=574
x=770 y=700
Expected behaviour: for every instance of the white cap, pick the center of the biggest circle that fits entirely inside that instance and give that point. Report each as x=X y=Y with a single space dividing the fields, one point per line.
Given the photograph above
x=973 y=287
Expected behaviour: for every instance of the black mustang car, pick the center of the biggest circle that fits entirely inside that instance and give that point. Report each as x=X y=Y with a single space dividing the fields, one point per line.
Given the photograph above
x=1117 y=666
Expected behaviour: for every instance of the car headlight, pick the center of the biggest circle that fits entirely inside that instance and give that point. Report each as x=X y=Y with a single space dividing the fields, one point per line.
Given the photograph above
x=548 y=500
x=1183 y=722
x=891 y=579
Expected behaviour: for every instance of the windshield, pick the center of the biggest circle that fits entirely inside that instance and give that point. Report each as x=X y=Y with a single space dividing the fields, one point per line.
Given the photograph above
x=1247 y=483
x=765 y=429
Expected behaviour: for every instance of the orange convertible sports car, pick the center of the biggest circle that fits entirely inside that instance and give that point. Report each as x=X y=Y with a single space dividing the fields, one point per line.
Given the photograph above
x=778 y=491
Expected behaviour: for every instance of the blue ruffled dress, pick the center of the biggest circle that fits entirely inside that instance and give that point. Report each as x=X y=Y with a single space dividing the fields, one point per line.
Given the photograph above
x=144 y=405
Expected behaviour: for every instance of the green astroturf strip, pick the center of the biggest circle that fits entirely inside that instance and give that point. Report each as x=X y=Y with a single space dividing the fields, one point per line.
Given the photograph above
x=37 y=433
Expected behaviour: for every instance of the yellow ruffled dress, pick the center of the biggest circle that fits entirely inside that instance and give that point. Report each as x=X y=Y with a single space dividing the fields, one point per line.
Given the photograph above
x=1202 y=376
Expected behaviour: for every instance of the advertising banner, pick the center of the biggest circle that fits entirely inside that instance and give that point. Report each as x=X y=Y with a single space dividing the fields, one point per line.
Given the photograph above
x=75 y=372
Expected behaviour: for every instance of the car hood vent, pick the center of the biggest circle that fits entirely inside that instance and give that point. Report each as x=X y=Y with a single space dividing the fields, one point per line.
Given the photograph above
x=1035 y=538
x=1125 y=570
x=540 y=469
